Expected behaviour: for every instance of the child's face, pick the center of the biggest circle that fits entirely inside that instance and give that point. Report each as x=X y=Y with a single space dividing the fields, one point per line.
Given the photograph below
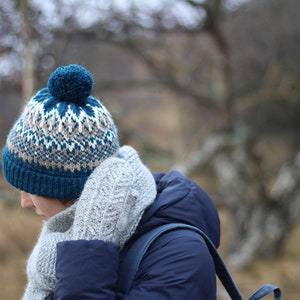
x=44 y=207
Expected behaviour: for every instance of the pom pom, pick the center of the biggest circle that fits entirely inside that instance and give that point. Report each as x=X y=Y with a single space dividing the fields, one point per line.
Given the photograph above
x=71 y=83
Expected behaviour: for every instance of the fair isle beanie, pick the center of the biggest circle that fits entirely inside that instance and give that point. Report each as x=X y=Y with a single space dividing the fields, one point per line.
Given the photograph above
x=62 y=135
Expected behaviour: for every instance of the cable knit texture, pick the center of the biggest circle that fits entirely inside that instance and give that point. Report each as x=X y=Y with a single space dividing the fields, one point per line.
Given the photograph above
x=114 y=199
x=110 y=207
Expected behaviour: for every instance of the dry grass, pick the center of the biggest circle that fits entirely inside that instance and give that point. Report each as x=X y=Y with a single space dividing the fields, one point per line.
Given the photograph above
x=19 y=230
x=282 y=271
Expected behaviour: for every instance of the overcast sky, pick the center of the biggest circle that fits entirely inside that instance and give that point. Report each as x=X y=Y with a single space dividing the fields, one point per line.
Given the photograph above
x=89 y=14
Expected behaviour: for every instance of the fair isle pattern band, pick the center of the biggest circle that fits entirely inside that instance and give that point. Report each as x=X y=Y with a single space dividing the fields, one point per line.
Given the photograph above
x=64 y=137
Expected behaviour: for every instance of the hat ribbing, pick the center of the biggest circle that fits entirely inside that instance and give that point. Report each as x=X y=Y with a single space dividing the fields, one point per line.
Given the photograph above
x=61 y=136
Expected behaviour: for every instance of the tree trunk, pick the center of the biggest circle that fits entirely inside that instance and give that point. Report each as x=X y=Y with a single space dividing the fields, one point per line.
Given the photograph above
x=261 y=220
x=28 y=59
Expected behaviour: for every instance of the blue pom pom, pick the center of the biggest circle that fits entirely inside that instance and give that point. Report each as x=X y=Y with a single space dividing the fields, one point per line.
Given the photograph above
x=71 y=83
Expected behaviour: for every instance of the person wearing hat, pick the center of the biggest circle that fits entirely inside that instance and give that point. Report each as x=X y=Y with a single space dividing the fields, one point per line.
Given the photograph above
x=96 y=197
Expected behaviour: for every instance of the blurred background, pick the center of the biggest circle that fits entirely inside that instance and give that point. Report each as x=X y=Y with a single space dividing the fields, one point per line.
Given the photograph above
x=210 y=88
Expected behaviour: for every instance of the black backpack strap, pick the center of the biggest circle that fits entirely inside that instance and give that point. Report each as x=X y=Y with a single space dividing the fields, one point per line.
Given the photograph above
x=136 y=252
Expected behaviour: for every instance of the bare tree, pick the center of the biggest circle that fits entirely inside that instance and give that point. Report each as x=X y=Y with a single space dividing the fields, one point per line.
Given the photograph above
x=262 y=217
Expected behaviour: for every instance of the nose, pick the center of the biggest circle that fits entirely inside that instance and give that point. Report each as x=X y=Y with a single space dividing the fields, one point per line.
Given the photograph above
x=26 y=201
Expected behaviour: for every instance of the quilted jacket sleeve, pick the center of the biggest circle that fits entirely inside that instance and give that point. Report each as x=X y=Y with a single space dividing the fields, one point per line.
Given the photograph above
x=177 y=266
x=86 y=270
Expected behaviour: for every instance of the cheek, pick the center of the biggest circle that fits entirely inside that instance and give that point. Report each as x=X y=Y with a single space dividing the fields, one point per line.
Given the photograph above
x=49 y=208
x=56 y=207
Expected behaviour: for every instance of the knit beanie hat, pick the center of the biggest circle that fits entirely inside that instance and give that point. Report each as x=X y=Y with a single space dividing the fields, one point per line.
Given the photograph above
x=62 y=135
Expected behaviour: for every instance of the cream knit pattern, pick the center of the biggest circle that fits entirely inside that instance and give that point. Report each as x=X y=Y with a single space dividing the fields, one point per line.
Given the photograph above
x=110 y=207
x=144 y=183
x=114 y=199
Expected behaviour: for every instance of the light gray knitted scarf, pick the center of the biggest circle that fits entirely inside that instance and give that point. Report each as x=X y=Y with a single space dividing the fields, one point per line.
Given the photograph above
x=41 y=263
x=110 y=207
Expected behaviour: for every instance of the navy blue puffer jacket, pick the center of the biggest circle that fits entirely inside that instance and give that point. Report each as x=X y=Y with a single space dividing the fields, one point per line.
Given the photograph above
x=177 y=266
